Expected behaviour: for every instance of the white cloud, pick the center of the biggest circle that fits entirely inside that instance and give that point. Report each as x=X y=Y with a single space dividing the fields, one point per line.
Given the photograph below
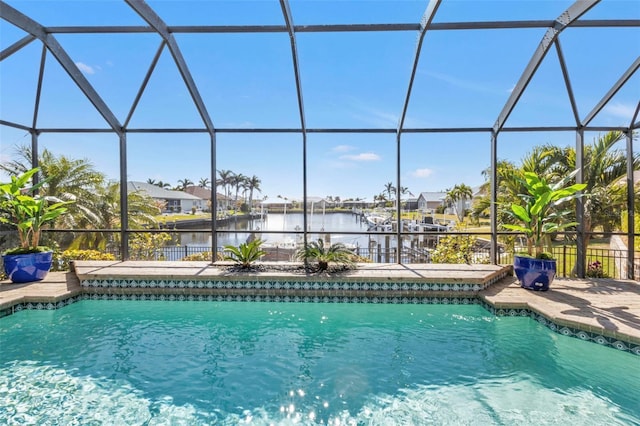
x=365 y=156
x=421 y=173
x=625 y=111
x=85 y=68
x=462 y=83
x=365 y=112
x=343 y=148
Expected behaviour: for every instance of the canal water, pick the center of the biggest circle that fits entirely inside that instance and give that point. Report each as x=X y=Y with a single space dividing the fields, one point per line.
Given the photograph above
x=275 y=223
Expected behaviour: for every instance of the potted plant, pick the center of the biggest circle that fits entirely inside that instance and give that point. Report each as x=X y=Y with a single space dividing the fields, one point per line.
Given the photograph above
x=539 y=216
x=29 y=213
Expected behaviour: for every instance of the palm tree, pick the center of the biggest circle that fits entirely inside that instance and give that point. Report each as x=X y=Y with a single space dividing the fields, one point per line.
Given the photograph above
x=105 y=214
x=237 y=181
x=204 y=183
x=151 y=181
x=459 y=193
x=604 y=167
x=65 y=178
x=184 y=183
x=390 y=189
x=225 y=181
x=163 y=185
x=253 y=184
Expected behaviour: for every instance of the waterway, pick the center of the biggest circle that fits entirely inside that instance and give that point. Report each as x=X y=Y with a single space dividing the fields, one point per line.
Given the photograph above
x=273 y=223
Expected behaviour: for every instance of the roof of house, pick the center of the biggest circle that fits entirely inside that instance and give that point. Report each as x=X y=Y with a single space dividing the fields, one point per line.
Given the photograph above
x=204 y=193
x=154 y=191
x=433 y=196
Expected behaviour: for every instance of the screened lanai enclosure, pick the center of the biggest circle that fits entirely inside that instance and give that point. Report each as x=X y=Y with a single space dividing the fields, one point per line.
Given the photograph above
x=390 y=126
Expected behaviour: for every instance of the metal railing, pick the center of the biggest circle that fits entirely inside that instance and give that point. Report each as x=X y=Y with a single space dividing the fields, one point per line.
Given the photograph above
x=600 y=261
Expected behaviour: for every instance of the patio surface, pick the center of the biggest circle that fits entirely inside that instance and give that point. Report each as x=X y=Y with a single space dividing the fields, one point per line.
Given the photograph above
x=603 y=306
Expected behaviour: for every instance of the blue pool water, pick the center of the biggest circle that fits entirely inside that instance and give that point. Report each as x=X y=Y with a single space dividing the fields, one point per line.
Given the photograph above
x=162 y=363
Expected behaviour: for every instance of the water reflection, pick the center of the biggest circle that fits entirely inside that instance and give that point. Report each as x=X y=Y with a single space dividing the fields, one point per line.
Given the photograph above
x=291 y=222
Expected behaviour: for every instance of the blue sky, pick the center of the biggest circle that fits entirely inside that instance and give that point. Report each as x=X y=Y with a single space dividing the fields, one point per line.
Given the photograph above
x=350 y=80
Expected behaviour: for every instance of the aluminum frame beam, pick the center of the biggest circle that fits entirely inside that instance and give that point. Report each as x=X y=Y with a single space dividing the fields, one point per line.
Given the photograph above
x=634 y=124
x=22 y=127
x=288 y=18
x=425 y=23
x=16 y=46
x=144 y=83
x=150 y=16
x=437 y=26
x=567 y=82
x=631 y=210
x=574 y=12
x=611 y=93
x=32 y=27
x=330 y=131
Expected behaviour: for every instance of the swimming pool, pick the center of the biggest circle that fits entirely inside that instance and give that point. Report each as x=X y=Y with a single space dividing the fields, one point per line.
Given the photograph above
x=154 y=363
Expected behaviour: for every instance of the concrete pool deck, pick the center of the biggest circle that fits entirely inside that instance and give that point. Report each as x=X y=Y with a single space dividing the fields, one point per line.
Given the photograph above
x=605 y=307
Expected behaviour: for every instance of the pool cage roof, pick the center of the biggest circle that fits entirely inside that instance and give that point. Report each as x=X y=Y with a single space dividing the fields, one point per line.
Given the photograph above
x=327 y=44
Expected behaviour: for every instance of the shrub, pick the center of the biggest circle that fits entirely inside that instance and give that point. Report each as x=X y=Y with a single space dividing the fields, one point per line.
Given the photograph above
x=454 y=249
x=62 y=260
x=202 y=256
x=147 y=246
x=355 y=258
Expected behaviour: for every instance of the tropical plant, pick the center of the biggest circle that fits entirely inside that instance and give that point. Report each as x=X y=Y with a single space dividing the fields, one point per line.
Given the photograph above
x=28 y=213
x=604 y=169
x=316 y=251
x=63 y=178
x=105 y=214
x=460 y=192
x=146 y=245
x=225 y=182
x=245 y=254
x=238 y=181
x=389 y=189
x=183 y=184
x=537 y=211
x=204 y=183
x=253 y=184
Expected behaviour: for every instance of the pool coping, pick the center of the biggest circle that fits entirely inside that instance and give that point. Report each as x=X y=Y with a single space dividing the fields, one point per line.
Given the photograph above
x=604 y=311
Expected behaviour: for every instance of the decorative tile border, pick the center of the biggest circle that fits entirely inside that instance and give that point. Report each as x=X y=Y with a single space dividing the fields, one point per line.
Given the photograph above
x=283 y=285
x=40 y=306
x=312 y=291
x=291 y=299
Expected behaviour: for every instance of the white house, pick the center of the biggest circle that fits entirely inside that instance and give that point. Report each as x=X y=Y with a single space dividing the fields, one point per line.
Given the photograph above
x=174 y=201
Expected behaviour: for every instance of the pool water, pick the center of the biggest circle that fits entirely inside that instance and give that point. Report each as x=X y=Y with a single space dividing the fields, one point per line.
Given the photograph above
x=157 y=363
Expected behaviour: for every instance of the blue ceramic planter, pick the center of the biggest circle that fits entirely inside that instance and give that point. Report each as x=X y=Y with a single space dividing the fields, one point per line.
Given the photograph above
x=534 y=274
x=24 y=268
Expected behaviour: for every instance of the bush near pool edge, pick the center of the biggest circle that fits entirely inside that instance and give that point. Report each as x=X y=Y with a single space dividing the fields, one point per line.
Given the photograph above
x=62 y=260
